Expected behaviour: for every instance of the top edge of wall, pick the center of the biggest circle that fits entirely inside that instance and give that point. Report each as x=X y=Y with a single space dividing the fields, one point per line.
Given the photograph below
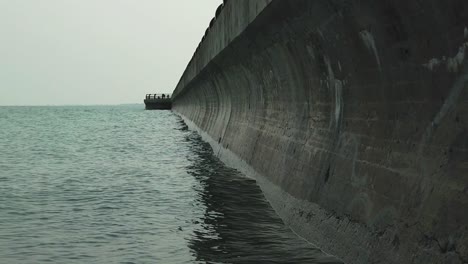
x=232 y=17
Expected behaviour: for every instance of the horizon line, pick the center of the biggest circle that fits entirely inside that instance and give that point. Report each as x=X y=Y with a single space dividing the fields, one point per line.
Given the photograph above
x=58 y=105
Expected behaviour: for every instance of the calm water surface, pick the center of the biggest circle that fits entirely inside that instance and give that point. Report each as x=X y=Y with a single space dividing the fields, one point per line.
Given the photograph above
x=123 y=185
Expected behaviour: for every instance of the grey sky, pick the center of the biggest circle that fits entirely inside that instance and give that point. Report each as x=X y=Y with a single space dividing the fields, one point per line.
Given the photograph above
x=96 y=51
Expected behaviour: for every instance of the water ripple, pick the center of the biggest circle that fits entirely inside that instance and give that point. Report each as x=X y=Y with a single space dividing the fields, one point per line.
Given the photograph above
x=123 y=185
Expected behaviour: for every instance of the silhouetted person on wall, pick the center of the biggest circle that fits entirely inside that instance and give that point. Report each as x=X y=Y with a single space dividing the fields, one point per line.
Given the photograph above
x=163 y=96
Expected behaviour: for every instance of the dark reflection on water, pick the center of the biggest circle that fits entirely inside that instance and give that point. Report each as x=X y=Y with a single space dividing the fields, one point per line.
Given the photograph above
x=239 y=225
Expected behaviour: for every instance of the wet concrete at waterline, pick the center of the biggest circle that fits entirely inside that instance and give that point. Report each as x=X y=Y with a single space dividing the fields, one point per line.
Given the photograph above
x=239 y=225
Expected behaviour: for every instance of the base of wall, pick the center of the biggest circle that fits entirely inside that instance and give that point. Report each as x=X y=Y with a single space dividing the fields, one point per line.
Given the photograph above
x=282 y=202
x=338 y=236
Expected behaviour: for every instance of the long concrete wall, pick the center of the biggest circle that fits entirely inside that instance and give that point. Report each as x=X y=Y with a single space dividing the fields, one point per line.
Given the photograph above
x=353 y=115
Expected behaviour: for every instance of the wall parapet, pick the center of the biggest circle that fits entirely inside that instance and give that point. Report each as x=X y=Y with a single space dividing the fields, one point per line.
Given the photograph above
x=231 y=19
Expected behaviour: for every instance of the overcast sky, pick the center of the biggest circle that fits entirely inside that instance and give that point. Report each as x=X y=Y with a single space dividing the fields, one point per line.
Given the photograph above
x=55 y=52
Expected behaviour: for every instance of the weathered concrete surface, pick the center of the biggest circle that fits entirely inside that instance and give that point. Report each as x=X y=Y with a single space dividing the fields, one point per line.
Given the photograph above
x=352 y=114
x=232 y=21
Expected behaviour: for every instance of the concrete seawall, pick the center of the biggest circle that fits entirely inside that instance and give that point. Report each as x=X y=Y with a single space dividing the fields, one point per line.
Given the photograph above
x=352 y=115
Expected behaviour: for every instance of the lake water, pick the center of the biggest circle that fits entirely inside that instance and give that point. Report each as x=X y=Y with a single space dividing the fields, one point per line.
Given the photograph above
x=117 y=184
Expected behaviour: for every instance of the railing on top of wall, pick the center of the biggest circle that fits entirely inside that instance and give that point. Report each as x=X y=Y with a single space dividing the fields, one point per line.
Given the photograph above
x=157 y=96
